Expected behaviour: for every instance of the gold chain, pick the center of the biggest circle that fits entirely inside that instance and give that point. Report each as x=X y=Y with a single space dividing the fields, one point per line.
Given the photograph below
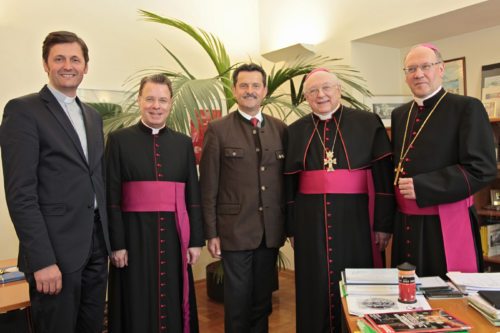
x=330 y=158
x=403 y=153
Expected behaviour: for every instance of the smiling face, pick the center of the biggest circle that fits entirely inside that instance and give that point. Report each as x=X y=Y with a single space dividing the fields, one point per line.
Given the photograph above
x=322 y=92
x=65 y=67
x=249 y=91
x=155 y=103
x=423 y=83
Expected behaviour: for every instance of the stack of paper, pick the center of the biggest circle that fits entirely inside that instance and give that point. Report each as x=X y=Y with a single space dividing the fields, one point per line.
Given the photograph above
x=472 y=282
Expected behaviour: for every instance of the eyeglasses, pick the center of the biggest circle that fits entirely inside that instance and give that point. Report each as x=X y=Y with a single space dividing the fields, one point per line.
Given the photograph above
x=326 y=89
x=424 y=67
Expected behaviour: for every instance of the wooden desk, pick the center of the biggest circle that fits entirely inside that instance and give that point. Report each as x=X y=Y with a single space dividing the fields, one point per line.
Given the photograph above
x=13 y=295
x=456 y=307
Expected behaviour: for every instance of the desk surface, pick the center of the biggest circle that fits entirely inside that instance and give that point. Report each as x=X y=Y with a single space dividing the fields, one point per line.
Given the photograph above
x=456 y=307
x=13 y=295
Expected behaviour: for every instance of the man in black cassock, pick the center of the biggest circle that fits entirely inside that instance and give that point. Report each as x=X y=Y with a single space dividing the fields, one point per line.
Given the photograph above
x=155 y=220
x=340 y=201
x=443 y=153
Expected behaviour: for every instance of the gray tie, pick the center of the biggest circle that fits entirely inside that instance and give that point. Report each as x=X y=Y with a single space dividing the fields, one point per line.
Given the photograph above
x=75 y=117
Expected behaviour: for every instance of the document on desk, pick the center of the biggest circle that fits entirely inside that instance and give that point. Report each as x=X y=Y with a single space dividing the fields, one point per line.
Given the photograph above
x=358 y=305
x=471 y=282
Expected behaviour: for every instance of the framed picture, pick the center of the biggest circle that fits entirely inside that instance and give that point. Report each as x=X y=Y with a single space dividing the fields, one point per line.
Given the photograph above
x=454 y=79
x=490 y=76
x=495 y=197
x=384 y=104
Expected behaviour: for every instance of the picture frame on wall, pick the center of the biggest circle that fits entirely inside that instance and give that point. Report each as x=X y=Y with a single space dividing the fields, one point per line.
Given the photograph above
x=490 y=76
x=383 y=105
x=454 y=79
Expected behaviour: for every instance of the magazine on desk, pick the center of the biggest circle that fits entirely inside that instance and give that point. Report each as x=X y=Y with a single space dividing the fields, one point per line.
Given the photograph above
x=435 y=320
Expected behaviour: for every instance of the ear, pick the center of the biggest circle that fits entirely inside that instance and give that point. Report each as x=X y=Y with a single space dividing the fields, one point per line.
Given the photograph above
x=45 y=67
x=441 y=69
x=86 y=68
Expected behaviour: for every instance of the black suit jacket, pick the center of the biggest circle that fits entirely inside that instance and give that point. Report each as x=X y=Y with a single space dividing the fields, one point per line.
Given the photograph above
x=49 y=185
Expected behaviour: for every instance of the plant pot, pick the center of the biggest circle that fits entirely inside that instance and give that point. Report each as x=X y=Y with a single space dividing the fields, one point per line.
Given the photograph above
x=215 y=289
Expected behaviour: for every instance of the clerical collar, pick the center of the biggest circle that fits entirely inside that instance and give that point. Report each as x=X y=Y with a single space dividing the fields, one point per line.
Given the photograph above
x=154 y=131
x=326 y=116
x=248 y=117
x=420 y=101
x=61 y=98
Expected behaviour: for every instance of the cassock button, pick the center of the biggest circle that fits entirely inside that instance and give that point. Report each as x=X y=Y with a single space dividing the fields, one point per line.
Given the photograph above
x=261 y=209
x=262 y=168
x=327 y=139
x=414 y=133
x=408 y=241
x=417 y=120
x=257 y=149
x=254 y=131
x=407 y=159
x=263 y=188
x=234 y=153
x=408 y=255
x=327 y=129
x=329 y=215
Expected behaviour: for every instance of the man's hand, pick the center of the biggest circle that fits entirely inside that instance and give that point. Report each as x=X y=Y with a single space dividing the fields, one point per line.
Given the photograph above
x=406 y=188
x=119 y=258
x=214 y=247
x=193 y=255
x=48 y=280
x=381 y=240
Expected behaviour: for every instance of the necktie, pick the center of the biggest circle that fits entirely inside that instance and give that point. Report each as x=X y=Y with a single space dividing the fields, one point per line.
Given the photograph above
x=254 y=121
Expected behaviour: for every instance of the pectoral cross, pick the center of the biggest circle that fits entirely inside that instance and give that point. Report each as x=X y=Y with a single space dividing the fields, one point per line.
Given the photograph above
x=329 y=161
x=398 y=170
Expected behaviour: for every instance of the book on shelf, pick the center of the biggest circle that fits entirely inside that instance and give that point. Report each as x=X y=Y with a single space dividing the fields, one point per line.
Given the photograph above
x=10 y=274
x=434 y=320
x=493 y=239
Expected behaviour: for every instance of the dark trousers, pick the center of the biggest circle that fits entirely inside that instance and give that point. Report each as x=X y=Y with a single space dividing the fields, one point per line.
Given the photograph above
x=79 y=307
x=249 y=278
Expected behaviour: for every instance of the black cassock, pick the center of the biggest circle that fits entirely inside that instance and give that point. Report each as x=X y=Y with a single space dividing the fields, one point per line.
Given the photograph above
x=146 y=296
x=332 y=231
x=452 y=158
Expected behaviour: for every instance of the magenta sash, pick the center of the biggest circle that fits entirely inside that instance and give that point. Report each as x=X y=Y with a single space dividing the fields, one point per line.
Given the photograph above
x=458 y=243
x=161 y=196
x=342 y=181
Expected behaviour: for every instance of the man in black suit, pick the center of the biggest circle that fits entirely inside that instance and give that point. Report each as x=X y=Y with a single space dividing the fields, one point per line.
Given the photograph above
x=52 y=153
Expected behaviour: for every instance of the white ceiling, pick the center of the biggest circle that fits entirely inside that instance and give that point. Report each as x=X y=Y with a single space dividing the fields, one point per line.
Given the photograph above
x=472 y=18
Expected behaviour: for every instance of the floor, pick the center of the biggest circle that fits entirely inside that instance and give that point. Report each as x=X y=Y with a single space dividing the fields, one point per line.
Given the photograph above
x=211 y=314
